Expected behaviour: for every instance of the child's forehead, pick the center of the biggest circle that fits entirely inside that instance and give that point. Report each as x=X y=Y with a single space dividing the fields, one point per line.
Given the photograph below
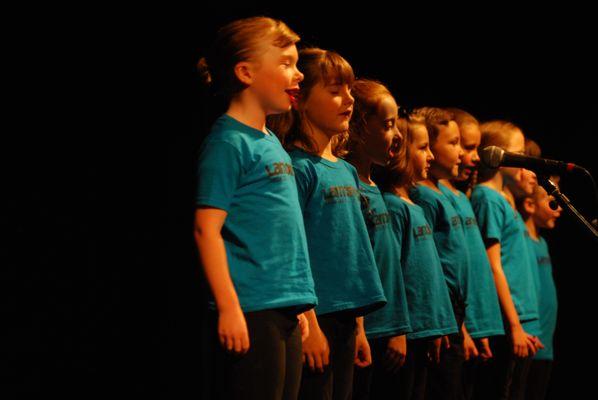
x=420 y=132
x=449 y=130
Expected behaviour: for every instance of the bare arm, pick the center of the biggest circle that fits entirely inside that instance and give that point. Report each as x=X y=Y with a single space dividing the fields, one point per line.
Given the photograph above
x=521 y=347
x=315 y=347
x=363 y=354
x=232 y=328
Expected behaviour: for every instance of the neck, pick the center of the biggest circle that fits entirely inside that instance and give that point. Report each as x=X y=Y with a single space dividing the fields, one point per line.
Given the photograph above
x=496 y=182
x=449 y=184
x=431 y=181
x=363 y=165
x=248 y=111
x=531 y=228
x=402 y=191
x=321 y=140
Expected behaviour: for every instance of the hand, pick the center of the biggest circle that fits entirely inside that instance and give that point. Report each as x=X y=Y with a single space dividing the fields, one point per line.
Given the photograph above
x=484 y=349
x=538 y=343
x=469 y=348
x=446 y=343
x=363 y=354
x=396 y=353
x=232 y=331
x=434 y=347
x=316 y=352
x=304 y=326
x=523 y=343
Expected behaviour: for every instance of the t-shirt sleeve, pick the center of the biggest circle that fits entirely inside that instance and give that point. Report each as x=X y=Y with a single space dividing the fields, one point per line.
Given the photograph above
x=398 y=223
x=490 y=219
x=219 y=175
x=304 y=184
x=430 y=211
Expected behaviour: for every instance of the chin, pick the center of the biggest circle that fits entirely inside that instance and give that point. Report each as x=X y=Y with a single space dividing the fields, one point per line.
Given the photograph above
x=463 y=175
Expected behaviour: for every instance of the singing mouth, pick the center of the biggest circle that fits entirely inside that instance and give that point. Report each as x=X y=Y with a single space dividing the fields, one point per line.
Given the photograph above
x=293 y=94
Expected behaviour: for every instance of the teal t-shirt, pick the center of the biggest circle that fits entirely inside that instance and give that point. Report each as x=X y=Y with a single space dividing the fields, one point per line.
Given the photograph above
x=249 y=175
x=341 y=257
x=393 y=318
x=483 y=317
x=547 y=298
x=449 y=239
x=497 y=220
x=430 y=309
x=532 y=327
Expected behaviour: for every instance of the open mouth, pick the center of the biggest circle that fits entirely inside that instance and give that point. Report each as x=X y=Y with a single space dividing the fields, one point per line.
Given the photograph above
x=346 y=114
x=293 y=94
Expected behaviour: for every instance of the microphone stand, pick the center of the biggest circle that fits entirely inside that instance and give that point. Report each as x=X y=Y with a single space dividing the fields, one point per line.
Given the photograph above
x=565 y=203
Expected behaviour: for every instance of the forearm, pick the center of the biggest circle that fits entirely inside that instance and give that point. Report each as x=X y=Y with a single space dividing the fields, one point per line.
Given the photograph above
x=312 y=319
x=212 y=255
x=359 y=329
x=504 y=294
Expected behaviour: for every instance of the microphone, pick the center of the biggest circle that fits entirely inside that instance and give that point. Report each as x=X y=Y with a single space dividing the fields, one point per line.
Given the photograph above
x=494 y=157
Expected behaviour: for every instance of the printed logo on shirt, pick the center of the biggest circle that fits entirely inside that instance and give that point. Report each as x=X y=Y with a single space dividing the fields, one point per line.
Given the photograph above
x=422 y=231
x=471 y=222
x=279 y=169
x=543 y=260
x=455 y=221
x=378 y=220
x=339 y=194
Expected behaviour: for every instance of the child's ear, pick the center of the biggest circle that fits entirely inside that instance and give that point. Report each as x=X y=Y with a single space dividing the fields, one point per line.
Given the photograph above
x=244 y=72
x=529 y=205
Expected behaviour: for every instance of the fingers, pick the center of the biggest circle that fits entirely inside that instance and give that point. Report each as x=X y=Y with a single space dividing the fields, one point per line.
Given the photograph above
x=245 y=343
x=237 y=344
x=319 y=363
x=531 y=348
x=402 y=359
x=446 y=342
x=436 y=354
x=538 y=343
x=230 y=343
x=311 y=362
x=325 y=358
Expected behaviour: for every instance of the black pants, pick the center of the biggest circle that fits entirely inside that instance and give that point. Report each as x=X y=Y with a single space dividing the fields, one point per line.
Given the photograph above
x=271 y=369
x=336 y=382
x=445 y=379
x=408 y=382
x=470 y=373
x=538 y=379
x=505 y=375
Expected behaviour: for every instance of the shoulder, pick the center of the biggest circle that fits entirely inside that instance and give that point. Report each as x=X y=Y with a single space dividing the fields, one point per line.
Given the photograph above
x=482 y=195
x=394 y=203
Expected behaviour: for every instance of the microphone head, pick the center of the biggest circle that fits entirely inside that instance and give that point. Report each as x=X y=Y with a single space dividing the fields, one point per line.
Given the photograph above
x=491 y=156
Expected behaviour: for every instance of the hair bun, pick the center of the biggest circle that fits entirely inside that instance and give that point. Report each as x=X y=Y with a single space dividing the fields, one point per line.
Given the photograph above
x=203 y=70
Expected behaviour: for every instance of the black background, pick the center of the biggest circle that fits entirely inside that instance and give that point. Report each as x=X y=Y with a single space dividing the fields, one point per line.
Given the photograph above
x=86 y=228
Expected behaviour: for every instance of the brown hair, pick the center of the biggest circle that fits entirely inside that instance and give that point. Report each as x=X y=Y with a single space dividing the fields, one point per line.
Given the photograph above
x=532 y=148
x=239 y=41
x=495 y=133
x=462 y=117
x=399 y=170
x=317 y=65
x=367 y=94
x=434 y=117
